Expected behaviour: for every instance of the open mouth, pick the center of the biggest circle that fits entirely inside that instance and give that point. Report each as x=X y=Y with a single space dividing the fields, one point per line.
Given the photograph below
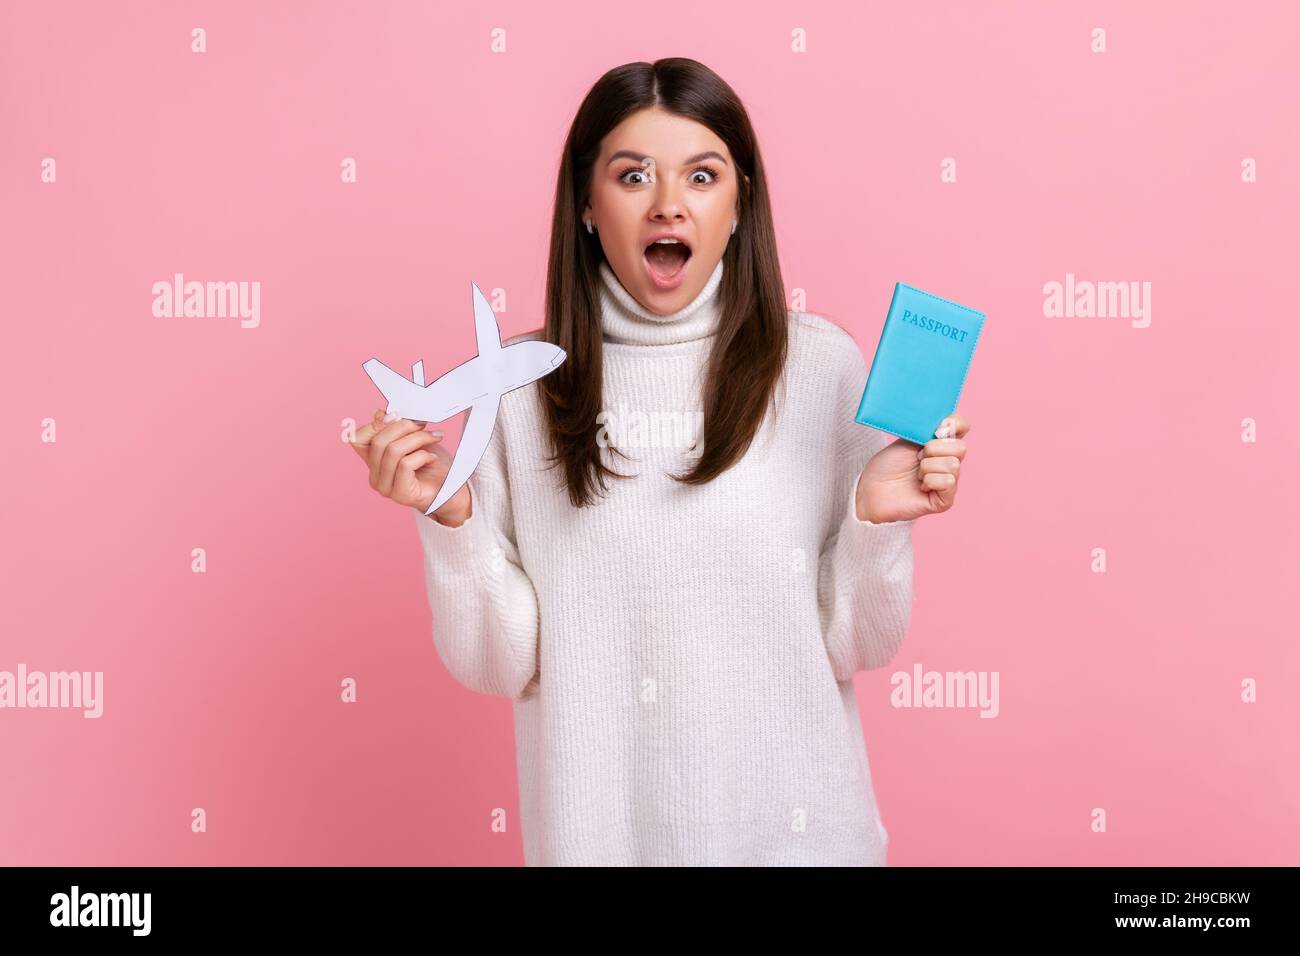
x=667 y=258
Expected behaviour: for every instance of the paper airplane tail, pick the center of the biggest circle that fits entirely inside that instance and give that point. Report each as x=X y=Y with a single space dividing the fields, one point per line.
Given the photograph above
x=401 y=392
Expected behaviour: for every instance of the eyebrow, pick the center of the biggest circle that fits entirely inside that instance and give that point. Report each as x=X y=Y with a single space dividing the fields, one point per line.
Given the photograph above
x=639 y=157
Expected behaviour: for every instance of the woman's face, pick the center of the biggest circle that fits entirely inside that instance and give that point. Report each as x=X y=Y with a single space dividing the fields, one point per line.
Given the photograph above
x=662 y=173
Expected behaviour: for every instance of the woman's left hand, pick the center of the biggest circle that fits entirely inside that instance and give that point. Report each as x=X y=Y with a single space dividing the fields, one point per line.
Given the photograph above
x=905 y=480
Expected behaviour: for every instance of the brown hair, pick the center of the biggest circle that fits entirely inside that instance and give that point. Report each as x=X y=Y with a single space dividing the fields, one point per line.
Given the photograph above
x=748 y=355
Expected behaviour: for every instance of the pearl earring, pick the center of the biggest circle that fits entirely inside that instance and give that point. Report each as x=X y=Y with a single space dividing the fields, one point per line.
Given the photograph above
x=589 y=229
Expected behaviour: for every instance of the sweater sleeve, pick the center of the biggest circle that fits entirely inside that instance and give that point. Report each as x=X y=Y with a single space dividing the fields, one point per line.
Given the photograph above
x=864 y=579
x=485 y=613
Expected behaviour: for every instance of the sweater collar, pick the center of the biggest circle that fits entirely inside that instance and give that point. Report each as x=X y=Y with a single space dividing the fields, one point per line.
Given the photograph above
x=625 y=321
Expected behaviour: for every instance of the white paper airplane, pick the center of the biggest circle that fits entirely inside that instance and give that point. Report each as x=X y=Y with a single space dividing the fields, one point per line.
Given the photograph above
x=477 y=384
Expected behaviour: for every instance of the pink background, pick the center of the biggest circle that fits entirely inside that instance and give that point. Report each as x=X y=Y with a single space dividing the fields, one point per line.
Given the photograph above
x=1118 y=690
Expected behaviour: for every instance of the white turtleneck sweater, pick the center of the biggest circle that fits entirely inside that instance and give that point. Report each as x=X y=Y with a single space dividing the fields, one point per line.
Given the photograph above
x=680 y=659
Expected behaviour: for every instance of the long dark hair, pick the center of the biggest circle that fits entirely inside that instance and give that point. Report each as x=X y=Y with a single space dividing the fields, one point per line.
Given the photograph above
x=748 y=355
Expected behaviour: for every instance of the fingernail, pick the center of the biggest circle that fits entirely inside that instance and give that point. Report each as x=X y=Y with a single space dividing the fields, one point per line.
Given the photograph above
x=942 y=432
x=437 y=433
x=390 y=417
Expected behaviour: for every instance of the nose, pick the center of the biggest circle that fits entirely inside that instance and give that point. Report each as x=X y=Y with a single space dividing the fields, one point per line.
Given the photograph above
x=667 y=201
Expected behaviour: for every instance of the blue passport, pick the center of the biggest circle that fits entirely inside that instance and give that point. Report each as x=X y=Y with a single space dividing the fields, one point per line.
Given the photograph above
x=920 y=366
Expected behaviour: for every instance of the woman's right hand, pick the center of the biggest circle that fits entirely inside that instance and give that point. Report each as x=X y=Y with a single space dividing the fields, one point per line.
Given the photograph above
x=409 y=465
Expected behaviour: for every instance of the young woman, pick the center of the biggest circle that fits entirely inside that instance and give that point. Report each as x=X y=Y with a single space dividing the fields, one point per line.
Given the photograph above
x=679 y=647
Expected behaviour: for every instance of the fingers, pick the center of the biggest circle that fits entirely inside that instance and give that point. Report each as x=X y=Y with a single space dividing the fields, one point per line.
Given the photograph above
x=941 y=457
x=388 y=449
x=410 y=464
x=939 y=474
x=946 y=485
x=954 y=426
x=409 y=440
x=384 y=436
x=942 y=447
x=365 y=434
x=940 y=464
x=413 y=462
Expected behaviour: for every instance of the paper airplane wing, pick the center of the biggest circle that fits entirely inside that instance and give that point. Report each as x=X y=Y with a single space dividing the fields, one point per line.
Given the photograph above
x=486 y=330
x=473 y=443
